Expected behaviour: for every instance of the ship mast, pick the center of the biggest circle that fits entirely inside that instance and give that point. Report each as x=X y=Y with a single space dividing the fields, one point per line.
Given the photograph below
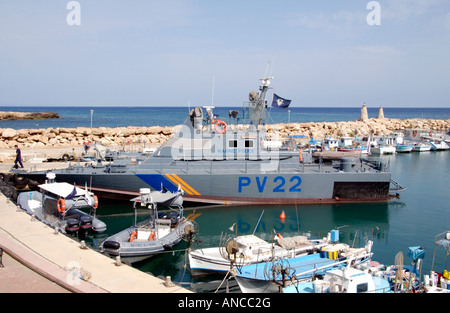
x=257 y=106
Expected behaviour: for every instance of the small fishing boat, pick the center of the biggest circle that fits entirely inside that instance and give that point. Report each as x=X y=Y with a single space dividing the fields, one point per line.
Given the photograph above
x=421 y=147
x=61 y=206
x=439 y=145
x=402 y=278
x=237 y=251
x=277 y=274
x=342 y=280
x=159 y=232
x=247 y=250
x=404 y=148
x=383 y=145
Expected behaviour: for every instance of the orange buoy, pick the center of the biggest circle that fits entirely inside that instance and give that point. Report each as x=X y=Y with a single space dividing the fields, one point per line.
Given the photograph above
x=282 y=215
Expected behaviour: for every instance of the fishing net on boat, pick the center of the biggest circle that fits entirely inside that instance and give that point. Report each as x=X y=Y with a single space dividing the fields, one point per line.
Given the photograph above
x=293 y=242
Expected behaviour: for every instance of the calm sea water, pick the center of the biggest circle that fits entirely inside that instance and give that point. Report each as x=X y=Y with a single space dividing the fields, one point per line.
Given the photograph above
x=171 y=116
x=422 y=212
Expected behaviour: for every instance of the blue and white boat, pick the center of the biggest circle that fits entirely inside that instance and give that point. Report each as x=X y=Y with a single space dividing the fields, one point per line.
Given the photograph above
x=421 y=146
x=343 y=280
x=274 y=275
x=404 y=148
x=249 y=250
x=366 y=277
x=438 y=145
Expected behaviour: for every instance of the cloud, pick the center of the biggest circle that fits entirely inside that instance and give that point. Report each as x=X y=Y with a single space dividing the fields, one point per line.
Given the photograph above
x=402 y=10
x=326 y=20
x=380 y=50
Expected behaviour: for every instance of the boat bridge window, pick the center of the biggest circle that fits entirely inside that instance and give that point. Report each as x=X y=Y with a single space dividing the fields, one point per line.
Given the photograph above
x=232 y=144
x=362 y=287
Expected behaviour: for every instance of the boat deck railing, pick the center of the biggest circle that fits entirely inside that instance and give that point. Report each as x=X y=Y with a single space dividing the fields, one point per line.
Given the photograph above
x=252 y=167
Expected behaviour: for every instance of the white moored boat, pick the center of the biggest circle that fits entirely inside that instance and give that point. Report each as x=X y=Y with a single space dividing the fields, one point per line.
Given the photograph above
x=250 y=249
x=60 y=205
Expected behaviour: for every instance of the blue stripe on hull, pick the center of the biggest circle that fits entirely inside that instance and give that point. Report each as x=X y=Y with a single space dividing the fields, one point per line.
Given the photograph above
x=156 y=180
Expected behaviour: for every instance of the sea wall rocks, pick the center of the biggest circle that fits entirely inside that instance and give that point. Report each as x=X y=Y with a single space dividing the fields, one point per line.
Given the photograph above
x=66 y=137
x=156 y=135
x=5 y=116
x=373 y=126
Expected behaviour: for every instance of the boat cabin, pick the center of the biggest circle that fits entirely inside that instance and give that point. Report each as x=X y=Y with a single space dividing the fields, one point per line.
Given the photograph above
x=352 y=280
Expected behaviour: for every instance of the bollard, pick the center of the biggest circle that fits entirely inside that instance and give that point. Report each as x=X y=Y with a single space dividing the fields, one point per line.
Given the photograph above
x=168 y=282
x=83 y=245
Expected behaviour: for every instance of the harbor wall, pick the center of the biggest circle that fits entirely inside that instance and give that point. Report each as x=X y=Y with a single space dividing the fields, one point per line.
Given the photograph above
x=156 y=135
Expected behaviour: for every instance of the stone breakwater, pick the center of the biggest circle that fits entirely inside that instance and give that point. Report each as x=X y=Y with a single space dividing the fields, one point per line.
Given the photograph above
x=156 y=135
x=373 y=126
x=8 y=116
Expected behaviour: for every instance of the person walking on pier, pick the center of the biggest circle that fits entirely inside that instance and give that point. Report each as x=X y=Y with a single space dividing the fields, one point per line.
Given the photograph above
x=18 y=157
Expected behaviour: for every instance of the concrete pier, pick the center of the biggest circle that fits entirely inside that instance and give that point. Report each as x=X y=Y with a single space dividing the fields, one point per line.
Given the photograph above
x=60 y=259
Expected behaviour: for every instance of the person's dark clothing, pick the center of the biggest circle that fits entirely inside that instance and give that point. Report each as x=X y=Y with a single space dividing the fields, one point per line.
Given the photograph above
x=18 y=159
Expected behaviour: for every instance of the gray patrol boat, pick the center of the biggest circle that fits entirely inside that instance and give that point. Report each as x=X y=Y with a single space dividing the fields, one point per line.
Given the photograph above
x=237 y=162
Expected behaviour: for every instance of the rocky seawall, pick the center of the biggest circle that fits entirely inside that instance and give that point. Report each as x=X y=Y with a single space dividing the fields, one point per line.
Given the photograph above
x=373 y=126
x=8 y=116
x=156 y=135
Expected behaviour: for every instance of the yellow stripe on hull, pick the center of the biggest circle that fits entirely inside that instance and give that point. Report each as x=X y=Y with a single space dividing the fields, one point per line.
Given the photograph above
x=185 y=186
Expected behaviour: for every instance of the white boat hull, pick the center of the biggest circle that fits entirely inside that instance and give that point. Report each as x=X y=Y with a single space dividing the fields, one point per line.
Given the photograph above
x=383 y=150
x=212 y=260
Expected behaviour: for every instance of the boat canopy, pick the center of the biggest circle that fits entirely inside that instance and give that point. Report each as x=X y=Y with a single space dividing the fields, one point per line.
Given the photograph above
x=62 y=189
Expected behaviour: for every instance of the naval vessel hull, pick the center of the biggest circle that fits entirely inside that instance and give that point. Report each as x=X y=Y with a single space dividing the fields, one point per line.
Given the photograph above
x=234 y=182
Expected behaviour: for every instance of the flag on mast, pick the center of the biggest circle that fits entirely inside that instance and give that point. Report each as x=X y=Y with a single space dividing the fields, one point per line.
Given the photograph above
x=279 y=102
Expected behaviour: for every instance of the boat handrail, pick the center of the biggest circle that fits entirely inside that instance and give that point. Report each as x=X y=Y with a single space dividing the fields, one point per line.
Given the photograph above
x=398 y=187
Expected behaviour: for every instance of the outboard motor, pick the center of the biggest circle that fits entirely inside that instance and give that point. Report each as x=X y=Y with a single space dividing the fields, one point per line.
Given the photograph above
x=72 y=226
x=86 y=223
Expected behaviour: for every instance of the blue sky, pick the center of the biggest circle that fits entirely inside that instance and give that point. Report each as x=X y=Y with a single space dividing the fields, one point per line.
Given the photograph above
x=169 y=53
